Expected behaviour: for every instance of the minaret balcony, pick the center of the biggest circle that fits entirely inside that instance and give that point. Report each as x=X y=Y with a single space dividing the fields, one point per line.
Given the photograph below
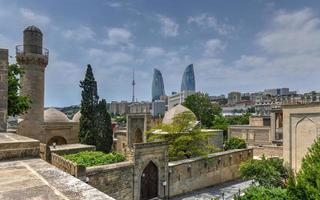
x=30 y=54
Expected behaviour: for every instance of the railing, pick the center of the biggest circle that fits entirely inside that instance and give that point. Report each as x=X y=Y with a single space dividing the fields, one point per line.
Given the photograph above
x=22 y=49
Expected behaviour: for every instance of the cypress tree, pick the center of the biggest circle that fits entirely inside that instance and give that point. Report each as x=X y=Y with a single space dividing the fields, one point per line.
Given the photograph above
x=104 y=128
x=89 y=101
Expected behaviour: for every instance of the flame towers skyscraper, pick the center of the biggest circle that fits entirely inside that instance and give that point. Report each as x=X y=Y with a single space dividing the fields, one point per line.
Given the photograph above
x=157 y=85
x=188 y=81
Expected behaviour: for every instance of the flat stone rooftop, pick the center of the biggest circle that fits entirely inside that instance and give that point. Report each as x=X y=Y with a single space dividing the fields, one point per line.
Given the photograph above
x=38 y=180
x=71 y=146
x=14 y=138
x=17 y=146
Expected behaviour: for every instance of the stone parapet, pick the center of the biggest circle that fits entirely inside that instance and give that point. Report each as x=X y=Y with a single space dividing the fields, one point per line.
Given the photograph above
x=74 y=169
x=196 y=173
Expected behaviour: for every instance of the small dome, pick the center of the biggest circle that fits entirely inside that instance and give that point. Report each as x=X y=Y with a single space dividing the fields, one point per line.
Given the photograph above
x=170 y=114
x=76 y=117
x=33 y=29
x=54 y=115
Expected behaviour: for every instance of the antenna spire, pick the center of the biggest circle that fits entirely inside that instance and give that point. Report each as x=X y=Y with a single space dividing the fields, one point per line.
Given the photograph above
x=133 y=84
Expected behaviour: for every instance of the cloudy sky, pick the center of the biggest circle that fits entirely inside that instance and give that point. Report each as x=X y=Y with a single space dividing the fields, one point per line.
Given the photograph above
x=246 y=45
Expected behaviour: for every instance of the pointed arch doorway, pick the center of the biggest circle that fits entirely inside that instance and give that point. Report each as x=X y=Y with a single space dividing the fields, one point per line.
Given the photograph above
x=149 y=182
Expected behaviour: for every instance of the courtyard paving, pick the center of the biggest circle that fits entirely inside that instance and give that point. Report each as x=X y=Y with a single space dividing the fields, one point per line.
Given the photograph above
x=228 y=190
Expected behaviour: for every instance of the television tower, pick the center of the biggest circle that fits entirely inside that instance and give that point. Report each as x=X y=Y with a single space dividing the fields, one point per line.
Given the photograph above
x=133 y=84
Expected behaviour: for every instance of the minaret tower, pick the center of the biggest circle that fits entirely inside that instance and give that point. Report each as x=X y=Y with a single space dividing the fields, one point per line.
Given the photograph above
x=33 y=59
x=133 y=84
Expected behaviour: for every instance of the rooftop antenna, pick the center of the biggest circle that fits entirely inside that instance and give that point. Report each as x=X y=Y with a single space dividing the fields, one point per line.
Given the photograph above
x=133 y=84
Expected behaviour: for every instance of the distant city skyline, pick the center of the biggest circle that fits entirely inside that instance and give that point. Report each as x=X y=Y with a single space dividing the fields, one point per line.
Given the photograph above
x=243 y=46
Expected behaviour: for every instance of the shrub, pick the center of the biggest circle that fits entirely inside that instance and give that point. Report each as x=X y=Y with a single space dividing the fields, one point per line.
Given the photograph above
x=267 y=172
x=259 y=193
x=235 y=143
x=93 y=158
x=307 y=183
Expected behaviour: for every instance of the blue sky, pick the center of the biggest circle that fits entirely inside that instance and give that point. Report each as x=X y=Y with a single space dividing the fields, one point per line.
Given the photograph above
x=234 y=45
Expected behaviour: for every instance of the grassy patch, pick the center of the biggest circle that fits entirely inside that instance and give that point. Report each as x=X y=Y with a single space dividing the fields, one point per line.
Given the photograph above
x=93 y=158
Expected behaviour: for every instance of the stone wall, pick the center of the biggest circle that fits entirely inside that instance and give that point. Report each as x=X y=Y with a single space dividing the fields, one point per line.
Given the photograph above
x=67 y=130
x=116 y=180
x=268 y=151
x=196 y=173
x=253 y=135
x=74 y=169
x=3 y=89
x=300 y=129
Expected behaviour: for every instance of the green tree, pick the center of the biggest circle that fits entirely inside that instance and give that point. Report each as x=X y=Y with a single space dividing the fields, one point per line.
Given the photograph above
x=89 y=102
x=307 y=184
x=267 y=172
x=235 y=143
x=201 y=106
x=185 y=140
x=17 y=104
x=263 y=193
x=104 y=137
x=222 y=122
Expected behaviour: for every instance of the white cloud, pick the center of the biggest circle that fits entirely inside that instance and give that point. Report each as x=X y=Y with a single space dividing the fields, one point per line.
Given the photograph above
x=80 y=33
x=119 y=36
x=169 y=28
x=100 y=56
x=213 y=46
x=206 y=21
x=154 y=51
x=246 y=62
x=114 y=4
x=34 y=17
x=292 y=32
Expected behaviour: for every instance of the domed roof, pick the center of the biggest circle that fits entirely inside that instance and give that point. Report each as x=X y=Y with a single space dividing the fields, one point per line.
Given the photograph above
x=170 y=114
x=76 y=117
x=33 y=29
x=54 y=115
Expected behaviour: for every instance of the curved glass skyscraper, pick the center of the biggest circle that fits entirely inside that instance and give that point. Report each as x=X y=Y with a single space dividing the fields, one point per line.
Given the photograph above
x=188 y=81
x=157 y=85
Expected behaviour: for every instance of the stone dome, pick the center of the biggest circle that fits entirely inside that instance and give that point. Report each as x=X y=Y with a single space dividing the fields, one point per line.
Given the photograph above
x=54 y=115
x=33 y=29
x=170 y=114
x=76 y=117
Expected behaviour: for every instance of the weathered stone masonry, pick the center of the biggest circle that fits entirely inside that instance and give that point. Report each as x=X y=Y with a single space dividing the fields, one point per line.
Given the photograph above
x=196 y=173
x=3 y=89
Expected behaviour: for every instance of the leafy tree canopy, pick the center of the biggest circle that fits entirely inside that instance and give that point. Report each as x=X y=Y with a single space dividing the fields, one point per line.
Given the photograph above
x=263 y=193
x=17 y=104
x=307 y=183
x=267 y=172
x=235 y=143
x=201 y=106
x=223 y=122
x=185 y=140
